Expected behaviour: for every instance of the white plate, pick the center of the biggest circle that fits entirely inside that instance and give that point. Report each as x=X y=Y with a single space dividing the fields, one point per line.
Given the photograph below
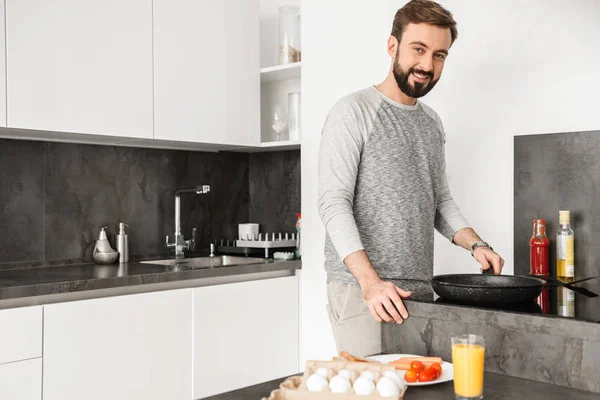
x=447 y=368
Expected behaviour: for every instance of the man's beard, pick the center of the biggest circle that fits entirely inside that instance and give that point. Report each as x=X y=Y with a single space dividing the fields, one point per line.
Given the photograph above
x=419 y=89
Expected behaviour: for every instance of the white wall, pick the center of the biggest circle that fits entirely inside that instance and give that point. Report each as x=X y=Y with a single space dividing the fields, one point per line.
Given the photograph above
x=518 y=67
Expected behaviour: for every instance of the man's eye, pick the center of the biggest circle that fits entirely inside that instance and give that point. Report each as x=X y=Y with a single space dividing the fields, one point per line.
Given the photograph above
x=441 y=56
x=418 y=49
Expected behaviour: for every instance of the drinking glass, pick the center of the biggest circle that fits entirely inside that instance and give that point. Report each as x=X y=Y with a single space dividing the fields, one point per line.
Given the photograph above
x=468 y=353
x=294 y=116
x=279 y=121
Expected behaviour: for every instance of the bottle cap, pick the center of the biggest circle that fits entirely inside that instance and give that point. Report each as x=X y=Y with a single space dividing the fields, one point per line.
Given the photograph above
x=122 y=228
x=564 y=217
x=102 y=235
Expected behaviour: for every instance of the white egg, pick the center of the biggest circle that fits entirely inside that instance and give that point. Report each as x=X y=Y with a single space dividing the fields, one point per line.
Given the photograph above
x=339 y=384
x=386 y=387
x=363 y=386
x=316 y=383
x=396 y=377
x=324 y=372
x=345 y=373
x=368 y=375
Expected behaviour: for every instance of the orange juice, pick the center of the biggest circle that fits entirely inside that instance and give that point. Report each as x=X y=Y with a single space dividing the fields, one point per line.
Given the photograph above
x=468 y=369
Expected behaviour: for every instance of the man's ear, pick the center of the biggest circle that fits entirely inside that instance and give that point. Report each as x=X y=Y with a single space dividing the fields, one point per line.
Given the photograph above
x=392 y=46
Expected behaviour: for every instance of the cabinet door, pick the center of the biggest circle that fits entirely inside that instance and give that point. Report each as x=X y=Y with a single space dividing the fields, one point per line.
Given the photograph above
x=127 y=347
x=2 y=67
x=80 y=66
x=207 y=71
x=21 y=380
x=20 y=334
x=244 y=333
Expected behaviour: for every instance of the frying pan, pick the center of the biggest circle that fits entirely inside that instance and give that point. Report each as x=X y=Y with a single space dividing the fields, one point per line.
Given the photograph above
x=488 y=288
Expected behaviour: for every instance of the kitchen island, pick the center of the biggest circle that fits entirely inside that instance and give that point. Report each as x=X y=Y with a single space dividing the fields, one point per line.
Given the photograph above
x=522 y=341
x=496 y=387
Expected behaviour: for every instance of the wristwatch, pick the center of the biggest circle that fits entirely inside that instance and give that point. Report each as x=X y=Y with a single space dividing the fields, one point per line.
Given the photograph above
x=481 y=243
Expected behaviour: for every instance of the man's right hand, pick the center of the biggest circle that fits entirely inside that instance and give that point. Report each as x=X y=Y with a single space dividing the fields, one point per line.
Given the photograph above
x=385 y=301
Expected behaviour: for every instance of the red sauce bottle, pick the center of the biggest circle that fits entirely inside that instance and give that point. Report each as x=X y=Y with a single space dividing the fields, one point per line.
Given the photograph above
x=538 y=249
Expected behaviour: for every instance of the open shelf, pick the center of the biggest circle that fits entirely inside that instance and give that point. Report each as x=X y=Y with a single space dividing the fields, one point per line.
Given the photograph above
x=280 y=72
x=281 y=145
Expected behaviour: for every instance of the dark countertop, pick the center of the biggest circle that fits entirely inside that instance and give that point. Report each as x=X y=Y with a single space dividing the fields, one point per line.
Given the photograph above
x=40 y=281
x=496 y=387
x=586 y=309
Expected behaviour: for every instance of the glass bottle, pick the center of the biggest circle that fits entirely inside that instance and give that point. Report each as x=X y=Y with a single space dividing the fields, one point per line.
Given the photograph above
x=566 y=302
x=565 y=249
x=538 y=249
x=289 y=34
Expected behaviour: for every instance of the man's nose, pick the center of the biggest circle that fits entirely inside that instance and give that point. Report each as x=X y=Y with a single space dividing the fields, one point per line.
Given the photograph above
x=426 y=64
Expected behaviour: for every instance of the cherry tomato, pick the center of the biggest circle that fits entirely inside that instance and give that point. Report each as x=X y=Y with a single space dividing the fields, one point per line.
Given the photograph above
x=410 y=376
x=427 y=375
x=437 y=368
x=416 y=366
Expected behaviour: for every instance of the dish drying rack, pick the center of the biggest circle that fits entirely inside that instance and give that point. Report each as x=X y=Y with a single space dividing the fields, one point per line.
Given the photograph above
x=257 y=243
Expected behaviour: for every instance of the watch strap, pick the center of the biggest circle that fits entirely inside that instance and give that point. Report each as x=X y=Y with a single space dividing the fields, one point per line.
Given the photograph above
x=479 y=244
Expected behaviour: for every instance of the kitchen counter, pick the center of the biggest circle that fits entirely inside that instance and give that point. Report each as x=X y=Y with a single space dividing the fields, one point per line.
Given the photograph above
x=496 y=387
x=42 y=285
x=521 y=341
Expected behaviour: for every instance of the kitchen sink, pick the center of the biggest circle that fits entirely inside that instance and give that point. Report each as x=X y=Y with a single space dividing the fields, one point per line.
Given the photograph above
x=208 y=262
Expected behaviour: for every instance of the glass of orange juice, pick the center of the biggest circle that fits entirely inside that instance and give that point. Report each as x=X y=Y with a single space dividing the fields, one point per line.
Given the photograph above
x=468 y=352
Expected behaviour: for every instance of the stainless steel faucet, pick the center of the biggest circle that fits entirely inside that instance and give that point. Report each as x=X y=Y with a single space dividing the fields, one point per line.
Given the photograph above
x=180 y=243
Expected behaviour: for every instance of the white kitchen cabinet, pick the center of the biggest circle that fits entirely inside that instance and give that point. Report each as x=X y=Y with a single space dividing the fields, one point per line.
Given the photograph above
x=244 y=333
x=207 y=71
x=20 y=334
x=125 y=347
x=80 y=66
x=21 y=380
x=2 y=67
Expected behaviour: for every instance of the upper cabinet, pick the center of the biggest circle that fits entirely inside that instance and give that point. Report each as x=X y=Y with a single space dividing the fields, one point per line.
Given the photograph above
x=80 y=66
x=2 y=67
x=281 y=55
x=207 y=71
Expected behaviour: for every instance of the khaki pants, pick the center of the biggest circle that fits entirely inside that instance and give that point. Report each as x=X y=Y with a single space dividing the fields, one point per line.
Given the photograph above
x=354 y=329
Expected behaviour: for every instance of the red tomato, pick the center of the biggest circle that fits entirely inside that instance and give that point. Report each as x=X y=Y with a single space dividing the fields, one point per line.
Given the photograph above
x=427 y=375
x=437 y=368
x=410 y=376
x=416 y=366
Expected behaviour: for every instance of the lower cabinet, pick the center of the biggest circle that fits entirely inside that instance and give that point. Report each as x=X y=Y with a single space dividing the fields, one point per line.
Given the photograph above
x=120 y=348
x=244 y=334
x=21 y=380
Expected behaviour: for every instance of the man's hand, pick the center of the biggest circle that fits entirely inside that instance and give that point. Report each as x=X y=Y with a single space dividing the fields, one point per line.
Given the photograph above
x=488 y=258
x=385 y=301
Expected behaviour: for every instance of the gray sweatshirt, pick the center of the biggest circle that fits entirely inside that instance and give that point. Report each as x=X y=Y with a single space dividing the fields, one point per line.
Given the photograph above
x=383 y=188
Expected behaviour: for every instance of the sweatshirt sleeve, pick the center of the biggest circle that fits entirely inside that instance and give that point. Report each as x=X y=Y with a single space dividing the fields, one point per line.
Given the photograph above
x=448 y=218
x=342 y=140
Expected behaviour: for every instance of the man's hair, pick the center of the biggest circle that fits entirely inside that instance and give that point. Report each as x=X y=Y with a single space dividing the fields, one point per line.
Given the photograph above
x=423 y=11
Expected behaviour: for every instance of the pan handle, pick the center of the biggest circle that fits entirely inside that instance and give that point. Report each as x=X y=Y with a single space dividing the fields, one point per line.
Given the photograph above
x=489 y=271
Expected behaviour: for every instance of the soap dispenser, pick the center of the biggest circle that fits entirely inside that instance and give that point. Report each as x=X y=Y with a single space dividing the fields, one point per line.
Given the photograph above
x=122 y=243
x=103 y=253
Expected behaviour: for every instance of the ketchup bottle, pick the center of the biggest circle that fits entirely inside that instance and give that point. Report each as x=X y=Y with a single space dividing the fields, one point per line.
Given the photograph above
x=538 y=249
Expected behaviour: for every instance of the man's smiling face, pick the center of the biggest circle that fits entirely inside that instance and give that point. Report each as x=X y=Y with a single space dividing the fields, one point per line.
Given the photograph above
x=420 y=58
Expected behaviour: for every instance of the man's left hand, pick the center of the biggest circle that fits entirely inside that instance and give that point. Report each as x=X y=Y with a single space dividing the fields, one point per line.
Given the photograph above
x=488 y=258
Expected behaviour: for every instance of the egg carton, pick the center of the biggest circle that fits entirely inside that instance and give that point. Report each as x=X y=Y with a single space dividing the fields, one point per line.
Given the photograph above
x=294 y=388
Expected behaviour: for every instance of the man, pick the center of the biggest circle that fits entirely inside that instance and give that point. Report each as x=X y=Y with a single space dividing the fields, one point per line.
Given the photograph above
x=383 y=187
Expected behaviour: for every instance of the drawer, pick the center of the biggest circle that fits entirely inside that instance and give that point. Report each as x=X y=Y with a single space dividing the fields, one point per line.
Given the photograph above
x=21 y=380
x=20 y=334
